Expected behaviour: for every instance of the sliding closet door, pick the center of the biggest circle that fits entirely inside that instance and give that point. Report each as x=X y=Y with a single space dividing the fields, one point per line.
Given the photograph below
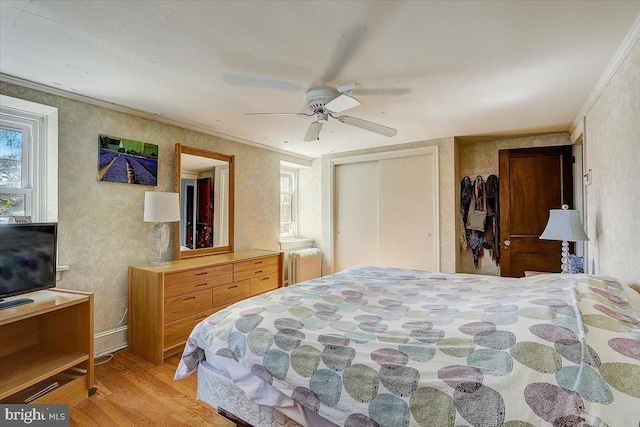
x=407 y=223
x=386 y=213
x=356 y=215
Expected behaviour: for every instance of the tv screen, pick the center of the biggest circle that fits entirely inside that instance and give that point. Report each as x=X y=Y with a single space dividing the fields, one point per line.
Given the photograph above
x=27 y=257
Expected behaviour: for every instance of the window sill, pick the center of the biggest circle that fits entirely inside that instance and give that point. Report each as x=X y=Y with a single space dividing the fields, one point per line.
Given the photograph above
x=287 y=243
x=59 y=270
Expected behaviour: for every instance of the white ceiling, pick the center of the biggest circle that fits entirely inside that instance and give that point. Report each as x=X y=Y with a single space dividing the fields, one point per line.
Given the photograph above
x=428 y=69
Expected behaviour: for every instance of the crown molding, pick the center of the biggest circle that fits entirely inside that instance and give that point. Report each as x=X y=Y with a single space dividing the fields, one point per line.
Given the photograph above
x=306 y=160
x=632 y=38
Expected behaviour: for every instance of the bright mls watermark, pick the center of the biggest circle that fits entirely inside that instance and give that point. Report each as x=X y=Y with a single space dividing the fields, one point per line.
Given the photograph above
x=34 y=415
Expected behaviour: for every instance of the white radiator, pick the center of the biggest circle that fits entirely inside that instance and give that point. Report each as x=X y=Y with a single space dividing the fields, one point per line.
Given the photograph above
x=304 y=264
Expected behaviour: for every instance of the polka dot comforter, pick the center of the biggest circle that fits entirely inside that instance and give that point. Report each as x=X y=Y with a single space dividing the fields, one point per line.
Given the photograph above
x=374 y=346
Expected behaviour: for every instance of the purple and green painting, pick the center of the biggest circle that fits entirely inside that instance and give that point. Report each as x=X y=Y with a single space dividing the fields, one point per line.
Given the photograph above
x=127 y=161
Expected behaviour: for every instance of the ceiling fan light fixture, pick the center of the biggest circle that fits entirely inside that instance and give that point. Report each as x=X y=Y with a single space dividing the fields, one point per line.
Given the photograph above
x=317 y=97
x=324 y=102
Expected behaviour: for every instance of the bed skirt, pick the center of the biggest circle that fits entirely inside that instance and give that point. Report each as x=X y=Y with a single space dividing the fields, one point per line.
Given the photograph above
x=218 y=390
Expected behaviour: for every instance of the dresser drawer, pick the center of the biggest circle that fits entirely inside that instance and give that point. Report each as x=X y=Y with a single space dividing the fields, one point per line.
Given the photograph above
x=248 y=269
x=264 y=283
x=182 y=306
x=178 y=331
x=228 y=294
x=256 y=263
x=186 y=282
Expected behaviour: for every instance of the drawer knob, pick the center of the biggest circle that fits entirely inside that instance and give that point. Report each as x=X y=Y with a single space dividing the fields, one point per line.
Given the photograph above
x=202 y=284
x=203 y=273
x=188 y=298
x=257 y=272
x=265 y=278
x=231 y=287
x=258 y=262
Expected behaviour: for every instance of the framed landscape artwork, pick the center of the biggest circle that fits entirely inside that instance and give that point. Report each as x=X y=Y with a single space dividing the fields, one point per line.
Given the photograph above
x=127 y=161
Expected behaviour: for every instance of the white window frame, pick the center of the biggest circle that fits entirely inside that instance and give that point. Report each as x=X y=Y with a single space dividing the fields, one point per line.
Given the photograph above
x=294 y=201
x=42 y=175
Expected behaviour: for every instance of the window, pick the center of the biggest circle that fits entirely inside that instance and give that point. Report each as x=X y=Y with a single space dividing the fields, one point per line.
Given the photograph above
x=288 y=202
x=16 y=153
x=28 y=160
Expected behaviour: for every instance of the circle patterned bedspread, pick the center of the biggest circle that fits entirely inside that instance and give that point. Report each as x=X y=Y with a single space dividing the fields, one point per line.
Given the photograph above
x=374 y=346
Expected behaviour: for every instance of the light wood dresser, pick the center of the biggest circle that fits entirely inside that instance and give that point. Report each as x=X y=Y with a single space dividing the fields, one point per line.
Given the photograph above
x=166 y=302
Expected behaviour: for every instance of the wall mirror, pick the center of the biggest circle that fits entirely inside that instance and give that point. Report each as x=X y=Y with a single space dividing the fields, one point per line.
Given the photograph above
x=205 y=181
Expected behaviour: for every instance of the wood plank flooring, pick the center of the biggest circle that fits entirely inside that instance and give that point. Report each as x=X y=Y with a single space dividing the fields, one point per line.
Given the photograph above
x=133 y=392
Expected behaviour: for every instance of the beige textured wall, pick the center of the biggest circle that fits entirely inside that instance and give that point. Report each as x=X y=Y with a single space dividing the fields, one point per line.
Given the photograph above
x=446 y=172
x=100 y=223
x=612 y=152
x=481 y=158
x=309 y=201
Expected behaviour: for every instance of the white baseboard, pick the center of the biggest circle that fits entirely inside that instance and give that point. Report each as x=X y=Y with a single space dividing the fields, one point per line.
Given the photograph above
x=109 y=341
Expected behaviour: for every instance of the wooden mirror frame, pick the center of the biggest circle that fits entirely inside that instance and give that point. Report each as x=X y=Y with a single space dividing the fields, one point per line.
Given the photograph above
x=182 y=149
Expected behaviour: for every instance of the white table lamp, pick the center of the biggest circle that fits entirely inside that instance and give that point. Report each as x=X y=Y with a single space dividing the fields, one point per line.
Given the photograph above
x=160 y=208
x=564 y=224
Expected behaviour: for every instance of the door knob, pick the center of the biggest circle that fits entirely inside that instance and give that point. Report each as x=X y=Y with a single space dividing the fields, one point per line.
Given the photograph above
x=507 y=243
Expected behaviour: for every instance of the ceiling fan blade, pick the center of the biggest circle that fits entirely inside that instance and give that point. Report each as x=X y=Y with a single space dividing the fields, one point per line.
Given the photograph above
x=260 y=82
x=279 y=114
x=313 y=132
x=341 y=103
x=370 y=126
x=347 y=87
x=348 y=45
x=391 y=91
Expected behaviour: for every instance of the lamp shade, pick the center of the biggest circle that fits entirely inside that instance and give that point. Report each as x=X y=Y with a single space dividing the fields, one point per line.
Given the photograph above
x=564 y=224
x=161 y=207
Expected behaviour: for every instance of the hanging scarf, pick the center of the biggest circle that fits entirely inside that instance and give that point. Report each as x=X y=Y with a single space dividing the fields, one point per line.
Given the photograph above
x=478 y=241
x=475 y=239
x=466 y=190
x=493 y=213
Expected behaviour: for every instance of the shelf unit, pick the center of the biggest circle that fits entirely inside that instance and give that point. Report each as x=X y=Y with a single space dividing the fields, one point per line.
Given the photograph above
x=47 y=341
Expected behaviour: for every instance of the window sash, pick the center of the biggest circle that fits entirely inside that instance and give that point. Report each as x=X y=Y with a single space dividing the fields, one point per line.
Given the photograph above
x=29 y=188
x=288 y=205
x=25 y=127
x=28 y=197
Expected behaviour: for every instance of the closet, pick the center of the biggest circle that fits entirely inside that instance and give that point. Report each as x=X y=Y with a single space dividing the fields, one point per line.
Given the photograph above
x=386 y=210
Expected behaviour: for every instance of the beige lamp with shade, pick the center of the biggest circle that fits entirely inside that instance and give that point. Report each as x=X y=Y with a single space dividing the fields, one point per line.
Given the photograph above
x=564 y=224
x=161 y=208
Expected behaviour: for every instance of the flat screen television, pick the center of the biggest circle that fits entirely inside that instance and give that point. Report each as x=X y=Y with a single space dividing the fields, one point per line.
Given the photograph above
x=27 y=260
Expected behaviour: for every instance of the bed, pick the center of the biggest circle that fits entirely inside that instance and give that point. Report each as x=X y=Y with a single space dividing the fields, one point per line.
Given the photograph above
x=374 y=346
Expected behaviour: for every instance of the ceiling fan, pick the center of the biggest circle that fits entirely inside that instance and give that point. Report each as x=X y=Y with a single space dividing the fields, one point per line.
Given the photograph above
x=324 y=102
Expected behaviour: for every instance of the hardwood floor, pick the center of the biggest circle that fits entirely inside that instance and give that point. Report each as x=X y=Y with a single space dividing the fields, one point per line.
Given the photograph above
x=134 y=392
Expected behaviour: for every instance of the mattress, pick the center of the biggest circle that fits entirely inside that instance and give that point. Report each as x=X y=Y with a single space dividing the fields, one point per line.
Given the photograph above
x=388 y=347
x=217 y=389
x=250 y=398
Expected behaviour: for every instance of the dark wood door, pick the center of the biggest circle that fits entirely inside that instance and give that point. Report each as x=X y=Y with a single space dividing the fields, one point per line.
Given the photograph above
x=204 y=218
x=190 y=194
x=532 y=181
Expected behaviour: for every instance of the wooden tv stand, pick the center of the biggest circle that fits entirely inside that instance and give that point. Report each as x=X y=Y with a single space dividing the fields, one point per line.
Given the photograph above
x=47 y=341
